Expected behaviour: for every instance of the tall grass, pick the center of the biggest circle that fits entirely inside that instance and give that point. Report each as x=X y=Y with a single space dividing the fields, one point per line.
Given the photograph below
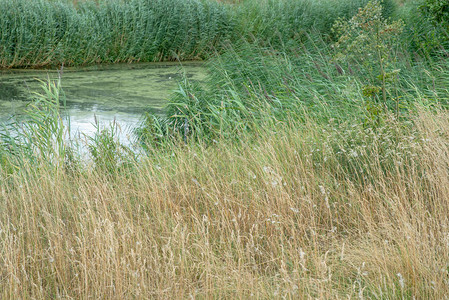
x=301 y=210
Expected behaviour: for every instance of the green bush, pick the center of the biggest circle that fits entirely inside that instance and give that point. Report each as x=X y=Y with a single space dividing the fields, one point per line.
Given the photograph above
x=426 y=30
x=371 y=41
x=437 y=10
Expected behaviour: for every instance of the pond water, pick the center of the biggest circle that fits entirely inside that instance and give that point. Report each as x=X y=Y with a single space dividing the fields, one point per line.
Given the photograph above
x=117 y=92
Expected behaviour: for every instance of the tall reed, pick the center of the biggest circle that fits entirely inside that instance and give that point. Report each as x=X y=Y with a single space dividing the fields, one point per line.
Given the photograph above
x=46 y=33
x=251 y=85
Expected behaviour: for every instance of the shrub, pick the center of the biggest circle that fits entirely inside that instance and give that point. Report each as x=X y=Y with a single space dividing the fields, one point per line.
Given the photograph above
x=276 y=21
x=426 y=30
x=437 y=10
x=370 y=40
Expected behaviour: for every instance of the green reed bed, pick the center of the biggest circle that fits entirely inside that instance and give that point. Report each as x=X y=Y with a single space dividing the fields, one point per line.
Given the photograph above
x=48 y=33
x=42 y=33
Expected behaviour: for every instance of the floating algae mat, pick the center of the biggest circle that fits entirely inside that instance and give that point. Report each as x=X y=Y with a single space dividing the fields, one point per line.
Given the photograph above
x=117 y=92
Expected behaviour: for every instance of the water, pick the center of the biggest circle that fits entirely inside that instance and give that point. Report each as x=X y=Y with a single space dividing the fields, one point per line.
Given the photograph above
x=117 y=92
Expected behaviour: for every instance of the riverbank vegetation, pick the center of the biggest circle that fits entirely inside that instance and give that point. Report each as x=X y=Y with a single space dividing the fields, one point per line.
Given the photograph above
x=44 y=33
x=50 y=33
x=312 y=163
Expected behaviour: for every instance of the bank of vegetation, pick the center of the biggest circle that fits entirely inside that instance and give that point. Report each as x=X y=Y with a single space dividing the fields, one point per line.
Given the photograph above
x=312 y=163
x=43 y=33
x=50 y=33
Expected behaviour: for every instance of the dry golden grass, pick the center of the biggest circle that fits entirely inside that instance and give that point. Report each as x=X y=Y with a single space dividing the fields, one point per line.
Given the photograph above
x=297 y=213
